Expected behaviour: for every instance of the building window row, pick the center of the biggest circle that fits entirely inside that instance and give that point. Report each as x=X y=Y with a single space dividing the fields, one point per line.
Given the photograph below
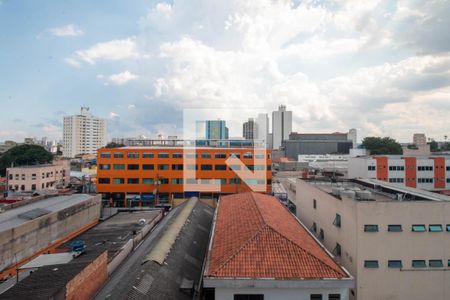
x=103 y=180
x=247 y=155
x=416 y=263
x=425 y=180
x=396 y=180
x=414 y=228
x=165 y=167
x=396 y=168
x=371 y=168
x=425 y=168
x=322 y=297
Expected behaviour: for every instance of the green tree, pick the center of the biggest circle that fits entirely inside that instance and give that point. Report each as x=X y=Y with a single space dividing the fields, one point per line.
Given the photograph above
x=114 y=145
x=434 y=146
x=23 y=155
x=385 y=145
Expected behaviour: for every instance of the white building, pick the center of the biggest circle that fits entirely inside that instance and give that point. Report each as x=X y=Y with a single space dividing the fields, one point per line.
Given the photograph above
x=83 y=134
x=425 y=172
x=394 y=240
x=260 y=251
x=281 y=126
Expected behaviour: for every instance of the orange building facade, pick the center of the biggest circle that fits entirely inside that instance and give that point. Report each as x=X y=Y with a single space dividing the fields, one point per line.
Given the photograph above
x=135 y=176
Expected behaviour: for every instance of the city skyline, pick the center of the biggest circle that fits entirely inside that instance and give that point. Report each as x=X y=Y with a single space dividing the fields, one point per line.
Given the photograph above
x=382 y=67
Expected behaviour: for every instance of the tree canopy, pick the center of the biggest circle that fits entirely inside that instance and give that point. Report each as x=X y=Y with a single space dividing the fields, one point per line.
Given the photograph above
x=385 y=145
x=114 y=145
x=23 y=155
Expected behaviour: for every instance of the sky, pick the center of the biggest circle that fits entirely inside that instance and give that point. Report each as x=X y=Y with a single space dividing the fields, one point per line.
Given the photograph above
x=381 y=66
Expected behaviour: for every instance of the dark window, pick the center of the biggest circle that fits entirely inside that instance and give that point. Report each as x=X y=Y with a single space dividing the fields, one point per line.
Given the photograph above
x=321 y=234
x=133 y=180
x=147 y=180
x=248 y=155
x=220 y=155
x=237 y=155
x=164 y=180
x=418 y=228
x=220 y=167
x=448 y=227
x=337 y=220
x=235 y=180
x=206 y=167
x=148 y=167
x=395 y=228
x=395 y=264
x=132 y=155
x=105 y=155
x=119 y=167
x=418 y=264
x=334 y=297
x=435 y=227
x=250 y=167
x=177 y=155
x=163 y=155
x=133 y=167
x=315 y=297
x=269 y=168
x=314 y=203
x=118 y=154
x=314 y=227
x=371 y=228
x=206 y=155
x=177 y=180
x=248 y=297
x=371 y=168
x=163 y=167
x=337 y=251
x=118 y=181
x=147 y=155
x=435 y=263
x=104 y=180
x=177 y=167
x=371 y=264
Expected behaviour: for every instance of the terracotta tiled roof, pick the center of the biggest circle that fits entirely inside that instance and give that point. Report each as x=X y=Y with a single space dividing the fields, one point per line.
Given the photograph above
x=255 y=236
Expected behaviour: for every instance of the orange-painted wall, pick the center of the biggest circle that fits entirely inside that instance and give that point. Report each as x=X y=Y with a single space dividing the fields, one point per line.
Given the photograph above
x=172 y=188
x=439 y=172
x=410 y=171
x=382 y=167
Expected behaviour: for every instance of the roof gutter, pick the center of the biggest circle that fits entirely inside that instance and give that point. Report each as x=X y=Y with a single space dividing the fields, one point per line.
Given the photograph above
x=263 y=283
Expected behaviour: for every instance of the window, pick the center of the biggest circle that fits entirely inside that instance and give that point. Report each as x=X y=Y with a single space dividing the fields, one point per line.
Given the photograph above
x=133 y=167
x=133 y=180
x=248 y=155
x=177 y=155
x=235 y=167
x=118 y=181
x=418 y=264
x=371 y=228
x=425 y=180
x=448 y=263
x=33 y=186
x=147 y=155
x=104 y=180
x=395 y=228
x=119 y=167
x=192 y=167
x=237 y=155
x=419 y=228
x=314 y=203
x=396 y=180
x=425 y=168
x=132 y=155
x=177 y=167
x=223 y=181
x=321 y=235
x=337 y=220
x=337 y=251
x=105 y=155
x=220 y=155
x=250 y=167
x=235 y=180
x=334 y=297
x=191 y=155
x=314 y=227
x=163 y=155
x=371 y=264
x=371 y=168
x=177 y=180
x=248 y=297
x=448 y=227
x=206 y=155
x=104 y=167
x=315 y=297
x=269 y=168
x=435 y=228
x=191 y=181
x=220 y=167
x=206 y=167
x=435 y=263
x=147 y=180
x=395 y=264
x=163 y=167
x=118 y=154
x=164 y=180
x=148 y=167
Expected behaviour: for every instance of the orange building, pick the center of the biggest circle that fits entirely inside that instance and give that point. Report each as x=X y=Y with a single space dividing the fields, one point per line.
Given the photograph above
x=132 y=176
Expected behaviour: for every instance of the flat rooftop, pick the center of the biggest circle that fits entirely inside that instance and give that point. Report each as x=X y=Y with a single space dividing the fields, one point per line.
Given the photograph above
x=22 y=214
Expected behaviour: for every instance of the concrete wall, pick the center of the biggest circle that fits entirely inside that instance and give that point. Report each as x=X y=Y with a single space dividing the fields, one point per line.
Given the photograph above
x=29 y=238
x=279 y=293
x=85 y=285
x=357 y=246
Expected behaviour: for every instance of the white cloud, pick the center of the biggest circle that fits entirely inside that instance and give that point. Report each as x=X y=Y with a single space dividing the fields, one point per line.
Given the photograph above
x=122 y=78
x=113 y=50
x=131 y=107
x=113 y=115
x=66 y=31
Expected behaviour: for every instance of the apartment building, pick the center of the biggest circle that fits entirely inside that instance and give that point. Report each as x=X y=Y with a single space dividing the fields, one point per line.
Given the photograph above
x=260 y=251
x=281 y=126
x=39 y=177
x=156 y=174
x=83 y=134
x=430 y=173
x=394 y=240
